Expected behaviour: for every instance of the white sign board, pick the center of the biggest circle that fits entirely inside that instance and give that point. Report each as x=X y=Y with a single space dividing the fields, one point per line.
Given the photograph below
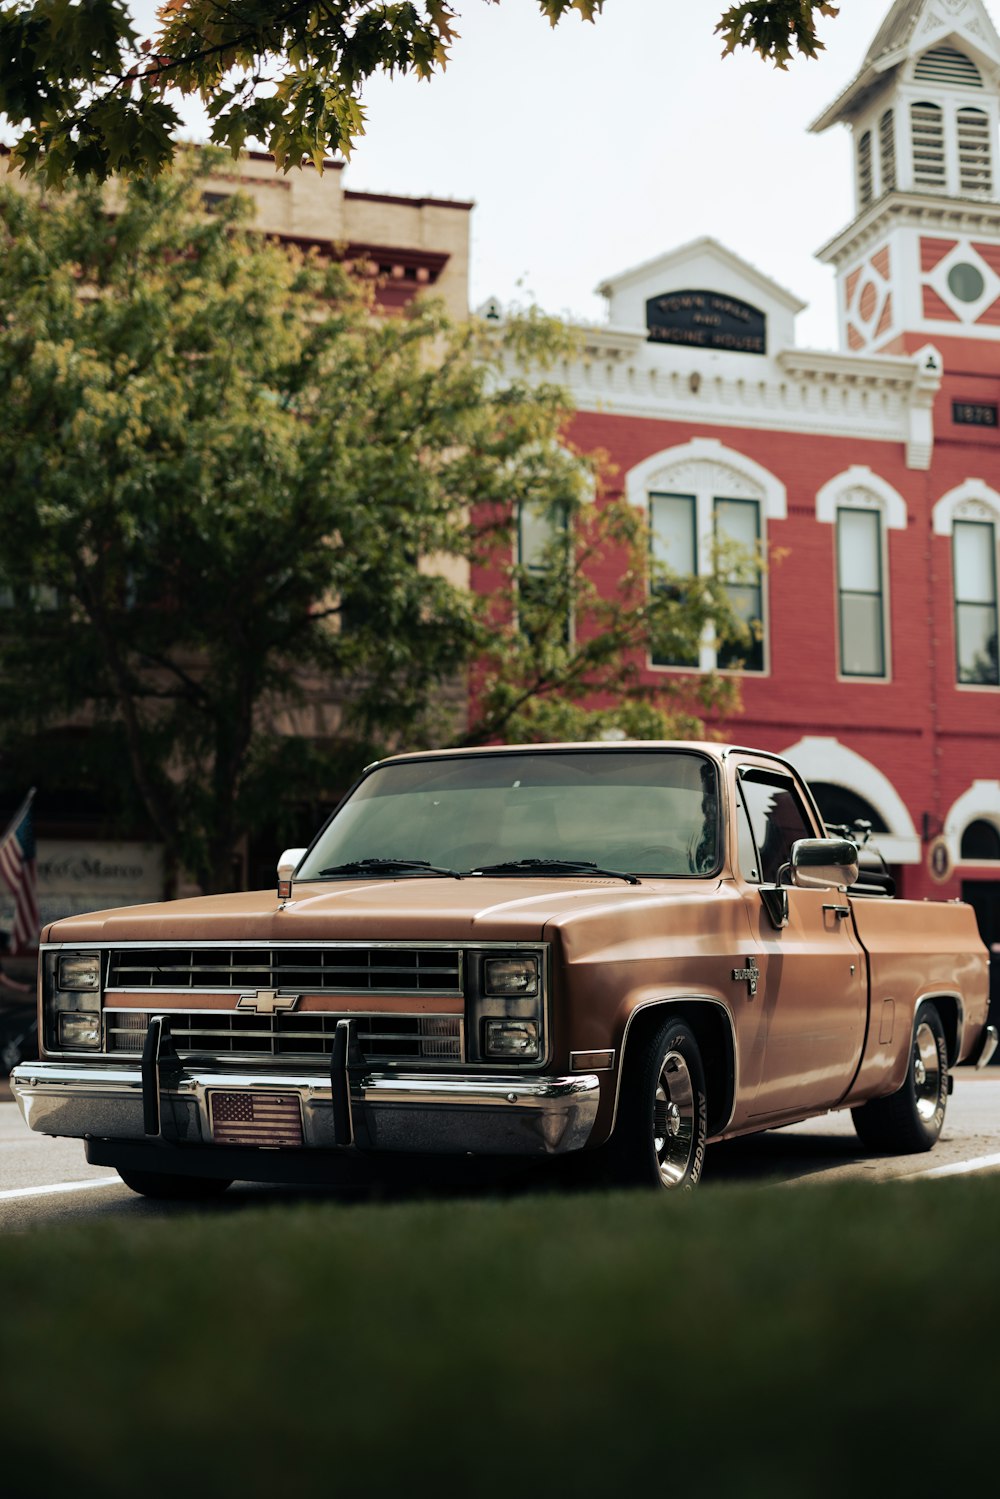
x=75 y=877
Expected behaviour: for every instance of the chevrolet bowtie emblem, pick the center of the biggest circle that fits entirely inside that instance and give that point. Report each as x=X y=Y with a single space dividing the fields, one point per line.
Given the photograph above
x=267 y=1001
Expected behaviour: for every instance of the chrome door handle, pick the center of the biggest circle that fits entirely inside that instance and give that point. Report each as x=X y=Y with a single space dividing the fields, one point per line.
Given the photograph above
x=840 y=911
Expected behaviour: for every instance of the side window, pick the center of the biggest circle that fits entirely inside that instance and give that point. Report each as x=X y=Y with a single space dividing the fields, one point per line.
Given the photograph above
x=777 y=818
x=746 y=851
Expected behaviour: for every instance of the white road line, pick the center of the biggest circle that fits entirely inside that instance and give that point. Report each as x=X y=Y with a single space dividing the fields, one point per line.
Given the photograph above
x=12 y=1193
x=957 y=1168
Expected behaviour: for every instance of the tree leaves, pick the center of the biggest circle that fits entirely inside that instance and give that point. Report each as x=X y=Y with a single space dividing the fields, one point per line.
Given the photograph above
x=86 y=96
x=775 y=30
x=238 y=532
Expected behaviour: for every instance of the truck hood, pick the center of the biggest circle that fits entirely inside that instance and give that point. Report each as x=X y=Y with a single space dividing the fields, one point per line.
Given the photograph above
x=474 y=909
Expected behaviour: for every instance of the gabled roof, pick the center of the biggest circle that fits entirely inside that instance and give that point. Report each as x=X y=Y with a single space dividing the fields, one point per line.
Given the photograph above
x=662 y=266
x=895 y=31
x=910 y=27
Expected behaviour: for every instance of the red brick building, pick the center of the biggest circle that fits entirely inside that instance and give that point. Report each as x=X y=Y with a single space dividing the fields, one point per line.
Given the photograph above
x=873 y=474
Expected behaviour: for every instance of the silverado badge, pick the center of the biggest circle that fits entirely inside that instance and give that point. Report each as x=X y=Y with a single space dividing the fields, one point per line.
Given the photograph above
x=748 y=975
x=267 y=1001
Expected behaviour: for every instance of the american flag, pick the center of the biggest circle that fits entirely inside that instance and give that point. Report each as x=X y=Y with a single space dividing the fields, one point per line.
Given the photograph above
x=19 y=872
x=256 y=1118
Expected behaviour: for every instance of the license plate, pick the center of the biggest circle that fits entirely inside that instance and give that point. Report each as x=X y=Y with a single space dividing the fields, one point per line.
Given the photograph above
x=255 y=1118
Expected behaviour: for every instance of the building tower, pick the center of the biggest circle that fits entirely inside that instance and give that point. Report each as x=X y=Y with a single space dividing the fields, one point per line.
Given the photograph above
x=920 y=262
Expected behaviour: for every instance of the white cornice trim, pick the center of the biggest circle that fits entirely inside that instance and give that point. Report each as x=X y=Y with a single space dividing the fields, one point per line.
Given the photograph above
x=918 y=210
x=615 y=343
x=855 y=369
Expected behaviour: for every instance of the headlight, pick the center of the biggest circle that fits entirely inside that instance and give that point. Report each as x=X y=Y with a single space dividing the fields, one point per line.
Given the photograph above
x=77 y=1030
x=511 y=1038
x=79 y=972
x=506 y=1006
x=504 y=977
x=71 y=999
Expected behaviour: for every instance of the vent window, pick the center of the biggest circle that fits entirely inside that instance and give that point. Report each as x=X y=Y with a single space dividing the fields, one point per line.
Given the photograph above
x=927 y=130
x=887 y=150
x=865 y=169
x=975 y=165
x=947 y=65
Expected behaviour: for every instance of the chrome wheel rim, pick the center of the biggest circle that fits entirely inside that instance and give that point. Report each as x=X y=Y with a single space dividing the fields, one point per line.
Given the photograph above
x=673 y=1119
x=926 y=1072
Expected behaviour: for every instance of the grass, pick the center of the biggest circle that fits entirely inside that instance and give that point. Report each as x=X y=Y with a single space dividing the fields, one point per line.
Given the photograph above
x=741 y=1341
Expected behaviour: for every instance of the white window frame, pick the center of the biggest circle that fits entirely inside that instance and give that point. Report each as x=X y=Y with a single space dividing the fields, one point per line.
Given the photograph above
x=972 y=501
x=536 y=570
x=857 y=488
x=708 y=470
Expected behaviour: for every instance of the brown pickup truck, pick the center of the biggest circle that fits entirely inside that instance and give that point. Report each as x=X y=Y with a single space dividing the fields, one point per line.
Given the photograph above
x=629 y=949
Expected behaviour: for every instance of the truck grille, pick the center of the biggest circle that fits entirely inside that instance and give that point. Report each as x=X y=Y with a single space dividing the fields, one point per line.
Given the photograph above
x=380 y=1038
x=347 y=970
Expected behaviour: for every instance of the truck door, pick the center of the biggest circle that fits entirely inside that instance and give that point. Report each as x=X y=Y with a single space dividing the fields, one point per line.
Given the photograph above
x=813 y=989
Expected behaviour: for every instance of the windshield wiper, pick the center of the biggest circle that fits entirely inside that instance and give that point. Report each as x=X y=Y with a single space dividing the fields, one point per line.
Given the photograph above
x=554 y=866
x=388 y=866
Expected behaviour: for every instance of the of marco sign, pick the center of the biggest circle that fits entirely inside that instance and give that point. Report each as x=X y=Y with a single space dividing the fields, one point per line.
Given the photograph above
x=706 y=320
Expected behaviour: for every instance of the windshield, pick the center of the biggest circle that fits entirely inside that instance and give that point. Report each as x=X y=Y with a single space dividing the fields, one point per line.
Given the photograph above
x=645 y=811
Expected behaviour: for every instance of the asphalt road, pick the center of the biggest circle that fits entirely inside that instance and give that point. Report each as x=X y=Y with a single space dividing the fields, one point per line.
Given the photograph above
x=45 y=1181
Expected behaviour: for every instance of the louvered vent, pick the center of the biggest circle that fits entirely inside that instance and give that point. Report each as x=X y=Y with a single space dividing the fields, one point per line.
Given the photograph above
x=975 y=165
x=887 y=150
x=927 y=130
x=865 y=169
x=947 y=65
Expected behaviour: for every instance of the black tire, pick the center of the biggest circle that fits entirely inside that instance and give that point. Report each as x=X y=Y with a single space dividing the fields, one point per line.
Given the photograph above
x=170 y=1188
x=911 y=1119
x=659 y=1138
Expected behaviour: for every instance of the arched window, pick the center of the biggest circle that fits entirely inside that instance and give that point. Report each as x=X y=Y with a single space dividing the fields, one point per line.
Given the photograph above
x=707 y=509
x=970 y=515
x=981 y=843
x=974 y=563
x=927 y=133
x=861 y=592
x=865 y=192
x=975 y=157
x=887 y=150
x=863 y=508
x=842 y=808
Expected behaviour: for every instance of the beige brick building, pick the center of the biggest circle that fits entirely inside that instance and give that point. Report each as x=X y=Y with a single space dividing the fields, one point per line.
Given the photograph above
x=407 y=245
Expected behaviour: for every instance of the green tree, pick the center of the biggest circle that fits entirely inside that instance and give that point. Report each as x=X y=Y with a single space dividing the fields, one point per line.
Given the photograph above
x=86 y=95
x=230 y=497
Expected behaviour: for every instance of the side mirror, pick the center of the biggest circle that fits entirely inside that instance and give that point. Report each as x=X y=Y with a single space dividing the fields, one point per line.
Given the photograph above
x=818 y=863
x=287 y=865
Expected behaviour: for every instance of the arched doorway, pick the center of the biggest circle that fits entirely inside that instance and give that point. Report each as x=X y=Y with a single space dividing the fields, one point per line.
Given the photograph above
x=843 y=808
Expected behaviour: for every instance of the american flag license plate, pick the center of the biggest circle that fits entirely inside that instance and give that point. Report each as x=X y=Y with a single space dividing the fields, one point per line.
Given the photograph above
x=255 y=1118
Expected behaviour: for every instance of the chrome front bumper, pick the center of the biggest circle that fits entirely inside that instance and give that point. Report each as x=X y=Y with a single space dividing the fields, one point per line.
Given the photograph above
x=487 y=1115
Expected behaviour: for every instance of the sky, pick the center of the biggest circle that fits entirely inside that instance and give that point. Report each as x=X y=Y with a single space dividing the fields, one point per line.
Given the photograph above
x=589 y=149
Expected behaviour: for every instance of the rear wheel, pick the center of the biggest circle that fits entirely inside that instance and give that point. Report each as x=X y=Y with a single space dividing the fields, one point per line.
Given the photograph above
x=170 y=1188
x=911 y=1119
x=659 y=1139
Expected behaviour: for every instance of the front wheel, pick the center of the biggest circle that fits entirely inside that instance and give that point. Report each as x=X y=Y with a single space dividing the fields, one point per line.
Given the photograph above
x=167 y=1187
x=911 y=1119
x=659 y=1139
